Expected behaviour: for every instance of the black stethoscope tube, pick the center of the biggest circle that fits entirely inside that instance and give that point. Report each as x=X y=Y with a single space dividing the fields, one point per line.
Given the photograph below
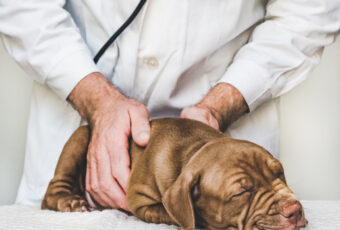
x=119 y=31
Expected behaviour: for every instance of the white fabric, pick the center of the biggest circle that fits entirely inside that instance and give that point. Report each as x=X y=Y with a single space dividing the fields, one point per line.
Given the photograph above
x=321 y=215
x=169 y=58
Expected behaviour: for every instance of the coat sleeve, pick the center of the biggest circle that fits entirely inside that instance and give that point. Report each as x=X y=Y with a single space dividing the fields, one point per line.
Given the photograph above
x=43 y=38
x=284 y=48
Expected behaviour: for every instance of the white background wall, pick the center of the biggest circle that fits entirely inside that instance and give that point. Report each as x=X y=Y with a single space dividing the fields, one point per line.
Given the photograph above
x=310 y=131
x=15 y=91
x=310 y=127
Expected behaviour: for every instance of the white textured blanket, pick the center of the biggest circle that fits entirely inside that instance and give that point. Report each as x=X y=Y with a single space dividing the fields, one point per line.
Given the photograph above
x=322 y=215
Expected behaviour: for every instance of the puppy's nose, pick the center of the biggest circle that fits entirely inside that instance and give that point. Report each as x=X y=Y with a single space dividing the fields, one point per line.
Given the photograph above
x=292 y=210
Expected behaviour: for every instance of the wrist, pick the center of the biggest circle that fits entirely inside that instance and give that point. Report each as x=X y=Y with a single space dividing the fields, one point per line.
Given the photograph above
x=93 y=95
x=225 y=103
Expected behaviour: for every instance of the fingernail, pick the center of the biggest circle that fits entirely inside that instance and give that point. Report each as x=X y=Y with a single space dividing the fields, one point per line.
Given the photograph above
x=144 y=136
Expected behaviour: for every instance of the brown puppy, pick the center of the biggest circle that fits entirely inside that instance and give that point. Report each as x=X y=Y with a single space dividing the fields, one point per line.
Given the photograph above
x=189 y=174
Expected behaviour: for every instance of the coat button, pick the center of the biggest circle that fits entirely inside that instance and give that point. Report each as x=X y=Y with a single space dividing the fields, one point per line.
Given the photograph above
x=151 y=62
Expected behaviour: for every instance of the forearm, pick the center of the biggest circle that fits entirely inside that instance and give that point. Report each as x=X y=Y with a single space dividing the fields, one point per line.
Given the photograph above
x=226 y=104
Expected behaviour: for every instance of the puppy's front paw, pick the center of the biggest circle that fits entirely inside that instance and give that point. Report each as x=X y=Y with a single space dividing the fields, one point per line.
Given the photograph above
x=73 y=203
x=66 y=203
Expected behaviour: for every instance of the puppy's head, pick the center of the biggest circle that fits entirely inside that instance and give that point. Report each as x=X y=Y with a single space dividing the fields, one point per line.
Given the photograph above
x=232 y=184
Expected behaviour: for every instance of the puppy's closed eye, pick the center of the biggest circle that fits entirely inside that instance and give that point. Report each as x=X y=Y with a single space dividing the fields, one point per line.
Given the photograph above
x=245 y=188
x=243 y=193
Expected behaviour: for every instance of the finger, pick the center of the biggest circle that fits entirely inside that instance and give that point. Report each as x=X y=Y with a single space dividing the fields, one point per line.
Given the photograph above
x=92 y=184
x=106 y=190
x=120 y=160
x=87 y=187
x=140 y=125
x=214 y=123
x=119 y=197
x=201 y=119
x=110 y=192
x=195 y=114
x=189 y=112
x=114 y=199
x=201 y=115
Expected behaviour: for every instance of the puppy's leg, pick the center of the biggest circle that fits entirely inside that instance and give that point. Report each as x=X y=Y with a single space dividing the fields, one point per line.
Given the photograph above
x=155 y=213
x=142 y=205
x=65 y=192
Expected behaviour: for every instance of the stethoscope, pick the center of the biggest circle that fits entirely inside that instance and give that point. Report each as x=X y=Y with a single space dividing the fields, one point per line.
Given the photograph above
x=119 y=31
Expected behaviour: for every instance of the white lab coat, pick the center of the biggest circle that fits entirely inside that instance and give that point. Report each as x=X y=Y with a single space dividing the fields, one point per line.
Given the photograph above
x=169 y=58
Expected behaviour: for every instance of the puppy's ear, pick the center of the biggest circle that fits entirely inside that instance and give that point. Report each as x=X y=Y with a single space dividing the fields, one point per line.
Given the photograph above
x=177 y=200
x=277 y=168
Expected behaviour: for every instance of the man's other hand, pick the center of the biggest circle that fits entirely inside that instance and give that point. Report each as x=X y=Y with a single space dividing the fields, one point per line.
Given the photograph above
x=223 y=105
x=112 y=118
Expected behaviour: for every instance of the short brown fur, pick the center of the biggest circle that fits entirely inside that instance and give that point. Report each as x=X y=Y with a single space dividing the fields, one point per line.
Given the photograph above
x=189 y=174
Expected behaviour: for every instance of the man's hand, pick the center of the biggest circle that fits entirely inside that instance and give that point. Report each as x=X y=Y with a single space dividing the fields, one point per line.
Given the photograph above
x=223 y=105
x=112 y=118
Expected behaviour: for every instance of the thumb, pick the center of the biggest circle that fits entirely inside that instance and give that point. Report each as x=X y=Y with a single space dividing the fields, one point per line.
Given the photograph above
x=140 y=125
